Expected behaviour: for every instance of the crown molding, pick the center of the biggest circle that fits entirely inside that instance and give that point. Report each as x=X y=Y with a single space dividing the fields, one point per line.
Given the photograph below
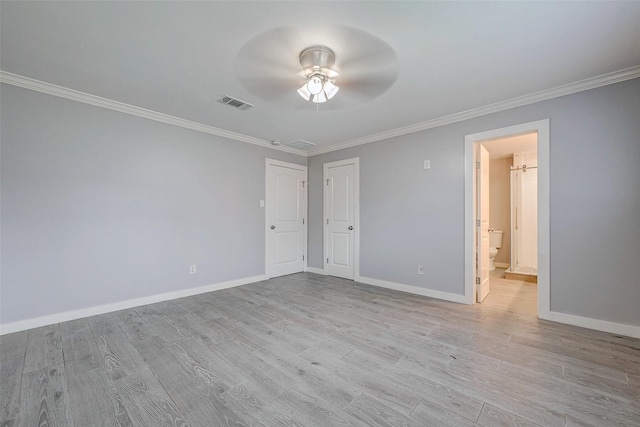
x=86 y=98
x=579 y=86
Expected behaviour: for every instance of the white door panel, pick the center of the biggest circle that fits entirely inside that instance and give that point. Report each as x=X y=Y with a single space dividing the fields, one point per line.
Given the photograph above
x=341 y=218
x=286 y=247
x=287 y=198
x=483 y=229
x=342 y=190
x=341 y=249
x=286 y=209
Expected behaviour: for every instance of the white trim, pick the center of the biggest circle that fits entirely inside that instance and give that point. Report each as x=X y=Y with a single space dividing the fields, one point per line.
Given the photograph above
x=86 y=98
x=272 y=162
x=589 y=323
x=315 y=270
x=447 y=296
x=568 y=89
x=356 y=212
x=579 y=86
x=544 y=278
x=65 y=316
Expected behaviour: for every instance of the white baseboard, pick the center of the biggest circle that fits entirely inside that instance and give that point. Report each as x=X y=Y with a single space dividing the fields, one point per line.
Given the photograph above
x=315 y=270
x=447 y=296
x=65 y=316
x=501 y=264
x=596 y=324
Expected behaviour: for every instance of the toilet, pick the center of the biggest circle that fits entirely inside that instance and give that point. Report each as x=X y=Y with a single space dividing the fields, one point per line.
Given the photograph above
x=495 y=243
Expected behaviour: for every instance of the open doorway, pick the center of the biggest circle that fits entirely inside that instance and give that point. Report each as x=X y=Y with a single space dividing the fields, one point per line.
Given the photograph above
x=513 y=142
x=513 y=222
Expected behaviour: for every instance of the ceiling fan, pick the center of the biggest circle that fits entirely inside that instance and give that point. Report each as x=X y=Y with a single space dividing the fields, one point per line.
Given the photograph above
x=290 y=67
x=316 y=62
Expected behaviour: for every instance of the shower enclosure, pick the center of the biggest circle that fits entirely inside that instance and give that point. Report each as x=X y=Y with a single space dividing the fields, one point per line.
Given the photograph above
x=524 y=214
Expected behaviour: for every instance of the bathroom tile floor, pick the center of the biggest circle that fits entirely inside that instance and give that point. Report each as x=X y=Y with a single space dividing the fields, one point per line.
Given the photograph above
x=514 y=296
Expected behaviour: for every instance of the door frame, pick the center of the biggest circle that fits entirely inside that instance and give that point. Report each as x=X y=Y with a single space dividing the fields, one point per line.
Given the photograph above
x=305 y=202
x=541 y=127
x=356 y=213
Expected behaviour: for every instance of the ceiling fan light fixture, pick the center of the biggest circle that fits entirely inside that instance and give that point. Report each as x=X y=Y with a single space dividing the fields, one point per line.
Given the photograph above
x=320 y=98
x=318 y=88
x=316 y=61
x=315 y=84
x=330 y=89
x=304 y=92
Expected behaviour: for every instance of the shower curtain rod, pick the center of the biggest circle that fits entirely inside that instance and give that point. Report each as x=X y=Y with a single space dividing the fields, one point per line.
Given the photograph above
x=525 y=168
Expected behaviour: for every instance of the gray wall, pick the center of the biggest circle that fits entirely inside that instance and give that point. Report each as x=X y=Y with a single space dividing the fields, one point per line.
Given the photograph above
x=100 y=207
x=412 y=216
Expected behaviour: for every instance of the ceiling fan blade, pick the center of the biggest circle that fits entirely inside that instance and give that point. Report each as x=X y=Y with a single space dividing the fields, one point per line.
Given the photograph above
x=354 y=73
x=270 y=88
x=273 y=54
x=366 y=88
x=360 y=49
x=366 y=64
x=268 y=65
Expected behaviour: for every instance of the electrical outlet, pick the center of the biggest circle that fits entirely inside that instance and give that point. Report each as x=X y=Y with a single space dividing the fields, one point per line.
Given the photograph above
x=427 y=164
x=192 y=269
x=421 y=270
x=262 y=203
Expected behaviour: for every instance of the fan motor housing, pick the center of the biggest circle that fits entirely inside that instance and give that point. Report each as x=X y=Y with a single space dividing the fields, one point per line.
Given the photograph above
x=317 y=57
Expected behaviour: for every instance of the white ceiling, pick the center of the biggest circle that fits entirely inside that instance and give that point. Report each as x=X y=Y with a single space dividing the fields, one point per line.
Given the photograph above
x=177 y=58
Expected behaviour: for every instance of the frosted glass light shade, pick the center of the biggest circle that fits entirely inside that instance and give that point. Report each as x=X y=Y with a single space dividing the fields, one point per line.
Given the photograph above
x=320 y=98
x=330 y=89
x=318 y=89
x=315 y=85
x=304 y=92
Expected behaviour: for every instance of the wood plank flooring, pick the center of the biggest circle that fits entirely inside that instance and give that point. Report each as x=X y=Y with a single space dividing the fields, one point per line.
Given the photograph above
x=310 y=350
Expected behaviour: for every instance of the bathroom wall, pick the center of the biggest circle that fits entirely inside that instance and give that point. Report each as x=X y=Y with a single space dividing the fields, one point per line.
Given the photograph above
x=499 y=215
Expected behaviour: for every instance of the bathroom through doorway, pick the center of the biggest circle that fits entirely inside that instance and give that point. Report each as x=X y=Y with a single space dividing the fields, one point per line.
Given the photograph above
x=513 y=225
x=507 y=241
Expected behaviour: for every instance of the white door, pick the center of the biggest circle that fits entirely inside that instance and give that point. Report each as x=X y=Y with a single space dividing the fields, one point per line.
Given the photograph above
x=341 y=218
x=482 y=263
x=286 y=210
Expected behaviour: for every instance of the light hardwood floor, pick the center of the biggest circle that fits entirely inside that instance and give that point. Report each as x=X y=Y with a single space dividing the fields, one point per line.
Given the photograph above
x=310 y=350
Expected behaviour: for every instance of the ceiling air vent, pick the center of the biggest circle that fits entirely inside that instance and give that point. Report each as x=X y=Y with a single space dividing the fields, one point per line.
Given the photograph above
x=236 y=103
x=301 y=144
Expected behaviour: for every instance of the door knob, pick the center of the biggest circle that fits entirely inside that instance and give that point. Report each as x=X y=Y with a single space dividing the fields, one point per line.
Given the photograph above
x=273 y=227
x=351 y=227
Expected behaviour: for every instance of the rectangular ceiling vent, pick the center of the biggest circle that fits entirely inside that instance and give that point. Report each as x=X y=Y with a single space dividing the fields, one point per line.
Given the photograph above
x=301 y=144
x=236 y=103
